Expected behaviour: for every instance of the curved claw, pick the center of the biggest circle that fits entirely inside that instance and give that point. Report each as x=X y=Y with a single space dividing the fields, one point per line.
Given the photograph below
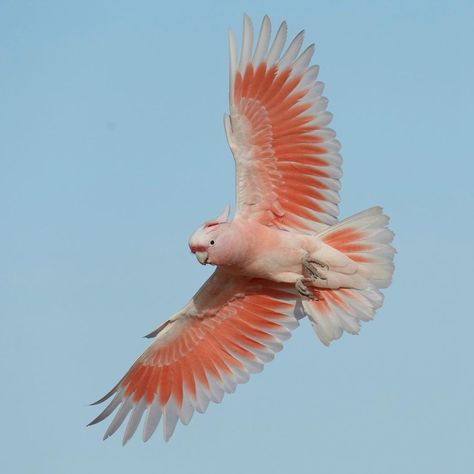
x=311 y=266
x=302 y=287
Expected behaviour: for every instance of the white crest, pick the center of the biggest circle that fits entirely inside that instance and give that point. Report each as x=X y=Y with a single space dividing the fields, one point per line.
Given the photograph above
x=219 y=219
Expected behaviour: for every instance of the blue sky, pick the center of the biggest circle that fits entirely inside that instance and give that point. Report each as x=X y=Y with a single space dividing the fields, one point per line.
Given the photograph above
x=112 y=152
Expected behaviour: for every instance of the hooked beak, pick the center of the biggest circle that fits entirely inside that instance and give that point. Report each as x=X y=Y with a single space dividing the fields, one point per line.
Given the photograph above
x=202 y=257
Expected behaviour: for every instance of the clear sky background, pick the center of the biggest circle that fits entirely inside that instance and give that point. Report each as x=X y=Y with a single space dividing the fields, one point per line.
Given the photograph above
x=112 y=151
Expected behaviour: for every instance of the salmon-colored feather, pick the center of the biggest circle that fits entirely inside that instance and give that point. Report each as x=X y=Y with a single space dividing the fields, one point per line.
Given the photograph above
x=258 y=80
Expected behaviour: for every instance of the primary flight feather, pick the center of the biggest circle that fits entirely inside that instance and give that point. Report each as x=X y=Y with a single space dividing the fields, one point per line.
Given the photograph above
x=283 y=256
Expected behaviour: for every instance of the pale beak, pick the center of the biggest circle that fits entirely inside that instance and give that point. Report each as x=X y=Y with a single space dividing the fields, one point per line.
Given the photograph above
x=202 y=257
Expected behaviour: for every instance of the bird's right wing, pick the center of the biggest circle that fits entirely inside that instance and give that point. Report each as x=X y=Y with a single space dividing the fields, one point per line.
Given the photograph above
x=228 y=330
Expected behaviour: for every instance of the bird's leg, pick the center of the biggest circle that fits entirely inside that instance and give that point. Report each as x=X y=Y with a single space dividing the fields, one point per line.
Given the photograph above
x=313 y=266
x=302 y=286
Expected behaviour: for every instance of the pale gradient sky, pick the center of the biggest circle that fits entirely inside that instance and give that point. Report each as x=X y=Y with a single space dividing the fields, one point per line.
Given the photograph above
x=112 y=152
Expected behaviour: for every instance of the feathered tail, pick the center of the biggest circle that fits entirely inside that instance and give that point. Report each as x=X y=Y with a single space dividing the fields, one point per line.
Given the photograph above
x=365 y=239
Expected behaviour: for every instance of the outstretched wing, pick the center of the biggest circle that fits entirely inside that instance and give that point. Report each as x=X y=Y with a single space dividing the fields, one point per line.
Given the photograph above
x=287 y=161
x=228 y=330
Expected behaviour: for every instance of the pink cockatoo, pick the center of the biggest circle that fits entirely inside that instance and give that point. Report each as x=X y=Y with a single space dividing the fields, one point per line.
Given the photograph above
x=283 y=256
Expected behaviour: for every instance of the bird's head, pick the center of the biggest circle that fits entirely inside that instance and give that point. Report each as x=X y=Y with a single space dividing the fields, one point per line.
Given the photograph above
x=209 y=242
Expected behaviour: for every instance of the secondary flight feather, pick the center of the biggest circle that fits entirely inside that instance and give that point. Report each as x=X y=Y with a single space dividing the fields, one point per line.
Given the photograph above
x=283 y=256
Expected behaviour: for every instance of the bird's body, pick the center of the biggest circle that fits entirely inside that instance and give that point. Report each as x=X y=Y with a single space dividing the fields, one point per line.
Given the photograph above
x=259 y=251
x=247 y=248
x=284 y=256
x=276 y=255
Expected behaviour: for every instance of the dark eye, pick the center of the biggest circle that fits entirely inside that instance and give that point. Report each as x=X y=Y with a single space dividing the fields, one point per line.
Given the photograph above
x=212 y=242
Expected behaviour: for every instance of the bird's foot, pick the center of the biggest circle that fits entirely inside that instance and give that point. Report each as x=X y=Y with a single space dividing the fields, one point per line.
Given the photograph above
x=302 y=286
x=313 y=266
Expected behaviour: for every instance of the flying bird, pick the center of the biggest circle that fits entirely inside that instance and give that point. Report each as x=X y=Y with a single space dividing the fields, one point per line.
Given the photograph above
x=282 y=257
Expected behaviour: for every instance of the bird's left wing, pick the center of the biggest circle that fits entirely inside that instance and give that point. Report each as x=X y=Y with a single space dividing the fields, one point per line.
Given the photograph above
x=287 y=161
x=229 y=329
